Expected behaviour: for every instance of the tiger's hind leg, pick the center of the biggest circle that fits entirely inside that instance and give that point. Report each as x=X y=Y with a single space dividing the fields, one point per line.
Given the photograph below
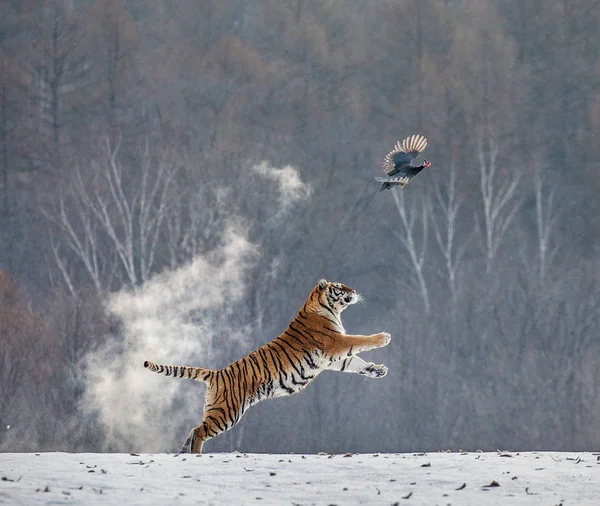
x=215 y=422
x=194 y=442
x=375 y=370
x=357 y=365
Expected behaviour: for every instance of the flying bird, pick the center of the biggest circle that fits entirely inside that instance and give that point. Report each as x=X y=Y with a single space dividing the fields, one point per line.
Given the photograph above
x=397 y=164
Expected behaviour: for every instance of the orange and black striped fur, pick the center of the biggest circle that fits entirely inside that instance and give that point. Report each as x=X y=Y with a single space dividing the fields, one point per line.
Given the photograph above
x=314 y=341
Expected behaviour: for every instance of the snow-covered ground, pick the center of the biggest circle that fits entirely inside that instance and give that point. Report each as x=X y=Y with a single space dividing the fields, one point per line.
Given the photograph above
x=548 y=478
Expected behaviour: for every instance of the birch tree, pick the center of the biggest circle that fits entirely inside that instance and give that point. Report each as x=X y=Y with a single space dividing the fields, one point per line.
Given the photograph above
x=546 y=213
x=111 y=223
x=498 y=199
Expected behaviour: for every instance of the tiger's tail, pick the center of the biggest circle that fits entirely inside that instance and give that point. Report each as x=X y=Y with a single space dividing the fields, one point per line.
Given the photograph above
x=181 y=371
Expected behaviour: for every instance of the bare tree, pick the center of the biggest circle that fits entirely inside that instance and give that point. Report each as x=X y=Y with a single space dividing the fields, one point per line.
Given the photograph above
x=498 y=198
x=115 y=214
x=546 y=213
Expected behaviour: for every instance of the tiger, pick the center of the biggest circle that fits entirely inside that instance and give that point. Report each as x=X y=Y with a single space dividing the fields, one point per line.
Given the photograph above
x=315 y=341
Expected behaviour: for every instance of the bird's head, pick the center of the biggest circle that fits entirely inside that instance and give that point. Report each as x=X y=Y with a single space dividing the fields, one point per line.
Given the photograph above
x=426 y=163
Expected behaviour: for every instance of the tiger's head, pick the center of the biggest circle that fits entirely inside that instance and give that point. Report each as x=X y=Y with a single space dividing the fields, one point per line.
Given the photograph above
x=336 y=296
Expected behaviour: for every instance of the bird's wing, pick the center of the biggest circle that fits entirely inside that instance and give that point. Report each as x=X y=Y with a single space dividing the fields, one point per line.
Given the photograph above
x=403 y=153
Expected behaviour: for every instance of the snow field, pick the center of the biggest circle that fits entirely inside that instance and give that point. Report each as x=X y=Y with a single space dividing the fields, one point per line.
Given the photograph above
x=506 y=478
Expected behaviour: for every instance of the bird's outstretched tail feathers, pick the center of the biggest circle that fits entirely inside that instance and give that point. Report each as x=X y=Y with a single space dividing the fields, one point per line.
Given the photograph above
x=181 y=371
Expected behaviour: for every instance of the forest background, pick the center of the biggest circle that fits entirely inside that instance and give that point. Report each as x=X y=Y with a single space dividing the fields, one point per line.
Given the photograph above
x=175 y=177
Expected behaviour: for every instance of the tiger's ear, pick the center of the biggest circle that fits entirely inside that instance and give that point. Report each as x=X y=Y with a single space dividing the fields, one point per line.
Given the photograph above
x=322 y=283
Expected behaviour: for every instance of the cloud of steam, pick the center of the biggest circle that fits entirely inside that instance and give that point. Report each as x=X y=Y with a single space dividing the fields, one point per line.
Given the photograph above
x=291 y=187
x=185 y=317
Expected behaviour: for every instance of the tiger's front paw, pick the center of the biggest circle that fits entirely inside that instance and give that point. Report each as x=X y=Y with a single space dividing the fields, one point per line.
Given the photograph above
x=376 y=370
x=384 y=339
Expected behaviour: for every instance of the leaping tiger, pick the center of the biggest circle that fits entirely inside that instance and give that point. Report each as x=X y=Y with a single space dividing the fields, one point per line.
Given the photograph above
x=314 y=341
